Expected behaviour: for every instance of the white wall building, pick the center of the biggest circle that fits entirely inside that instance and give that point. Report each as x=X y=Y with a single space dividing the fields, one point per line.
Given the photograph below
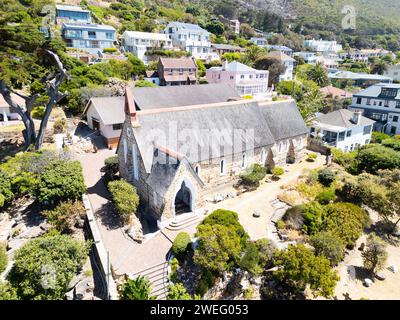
x=140 y=42
x=262 y=42
x=287 y=61
x=343 y=129
x=393 y=71
x=191 y=38
x=246 y=80
x=322 y=45
x=381 y=103
x=6 y=112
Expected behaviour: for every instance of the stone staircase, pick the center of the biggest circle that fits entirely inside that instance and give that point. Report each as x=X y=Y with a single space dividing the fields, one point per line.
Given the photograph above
x=158 y=277
x=183 y=223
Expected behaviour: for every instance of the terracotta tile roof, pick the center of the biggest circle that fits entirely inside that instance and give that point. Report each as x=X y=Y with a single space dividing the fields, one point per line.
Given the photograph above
x=335 y=92
x=175 y=63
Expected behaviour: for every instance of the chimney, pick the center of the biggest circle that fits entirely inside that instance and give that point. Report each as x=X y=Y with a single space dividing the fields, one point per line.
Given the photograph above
x=130 y=108
x=357 y=117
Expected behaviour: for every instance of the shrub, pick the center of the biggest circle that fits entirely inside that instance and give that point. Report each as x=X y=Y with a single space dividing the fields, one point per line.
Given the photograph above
x=346 y=159
x=5 y=188
x=377 y=158
x=277 y=172
x=174 y=264
x=45 y=266
x=59 y=125
x=178 y=292
x=228 y=219
x=315 y=271
x=144 y=83
x=250 y=260
x=112 y=165
x=254 y=176
x=181 y=245
x=25 y=183
x=280 y=225
x=61 y=181
x=207 y=280
x=326 y=177
x=312 y=157
x=326 y=196
x=393 y=143
x=110 y=50
x=347 y=220
x=136 y=289
x=3 y=257
x=65 y=216
x=329 y=245
x=378 y=137
x=375 y=254
x=38 y=112
x=125 y=198
x=7 y=292
x=313 y=214
x=218 y=249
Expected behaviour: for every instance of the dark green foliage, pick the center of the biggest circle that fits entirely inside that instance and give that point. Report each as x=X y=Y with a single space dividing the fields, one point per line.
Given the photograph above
x=313 y=214
x=301 y=268
x=3 y=257
x=65 y=216
x=253 y=177
x=178 y=292
x=45 y=266
x=346 y=220
x=257 y=256
x=393 y=143
x=377 y=157
x=111 y=165
x=62 y=180
x=207 y=280
x=319 y=75
x=229 y=219
x=330 y=245
x=7 y=291
x=136 y=289
x=326 y=177
x=5 y=188
x=181 y=245
x=125 y=198
x=326 y=196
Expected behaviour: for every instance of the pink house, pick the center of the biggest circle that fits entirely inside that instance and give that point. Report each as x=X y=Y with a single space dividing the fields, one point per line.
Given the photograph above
x=247 y=81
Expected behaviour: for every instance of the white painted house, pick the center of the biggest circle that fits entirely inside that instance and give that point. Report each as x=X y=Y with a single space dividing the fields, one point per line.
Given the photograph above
x=140 y=42
x=191 y=38
x=6 y=112
x=287 y=61
x=343 y=129
x=106 y=115
x=393 y=71
x=323 y=45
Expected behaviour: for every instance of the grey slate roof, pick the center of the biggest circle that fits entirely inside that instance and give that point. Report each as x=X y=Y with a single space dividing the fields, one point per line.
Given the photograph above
x=110 y=109
x=195 y=130
x=342 y=118
x=283 y=119
x=375 y=90
x=178 y=96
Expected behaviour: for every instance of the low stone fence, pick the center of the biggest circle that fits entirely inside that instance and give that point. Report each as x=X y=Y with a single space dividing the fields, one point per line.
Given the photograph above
x=99 y=250
x=317 y=146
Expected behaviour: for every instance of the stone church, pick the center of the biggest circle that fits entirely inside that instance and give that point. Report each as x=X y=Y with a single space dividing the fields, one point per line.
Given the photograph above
x=179 y=152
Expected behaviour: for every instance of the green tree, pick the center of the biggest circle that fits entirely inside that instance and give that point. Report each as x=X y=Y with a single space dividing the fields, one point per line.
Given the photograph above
x=274 y=66
x=346 y=220
x=377 y=157
x=299 y=268
x=125 y=198
x=61 y=181
x=181 y=244
x=3 y=257
x=177 y=291
x=319 y=75
x=314 y=215
x=329 y=245
x=5 y=188
x=375 y=254
x=218 y=248
x=45 y=266
x=136 y=289
x=201 y=69
x=379 y=67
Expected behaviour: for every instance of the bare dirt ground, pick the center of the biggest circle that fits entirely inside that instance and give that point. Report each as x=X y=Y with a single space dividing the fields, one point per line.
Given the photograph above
x=351 y=275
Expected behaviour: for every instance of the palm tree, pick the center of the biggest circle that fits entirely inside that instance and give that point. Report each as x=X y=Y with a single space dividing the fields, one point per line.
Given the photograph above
x=379 y=67
x=319 y=75
x=136 y=289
